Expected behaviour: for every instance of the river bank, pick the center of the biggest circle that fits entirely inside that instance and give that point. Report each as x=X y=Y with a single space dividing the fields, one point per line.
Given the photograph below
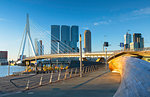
x=6 y=70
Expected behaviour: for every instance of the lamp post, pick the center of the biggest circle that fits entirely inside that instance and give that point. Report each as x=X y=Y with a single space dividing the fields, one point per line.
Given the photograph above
x=80 y=56
x=106 y=45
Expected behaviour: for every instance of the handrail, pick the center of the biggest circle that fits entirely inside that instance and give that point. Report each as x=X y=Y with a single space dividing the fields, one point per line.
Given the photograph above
x=135 y=74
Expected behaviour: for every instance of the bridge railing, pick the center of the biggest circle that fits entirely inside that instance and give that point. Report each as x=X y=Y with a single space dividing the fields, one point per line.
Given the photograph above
x=36 y=80
x=135 y=74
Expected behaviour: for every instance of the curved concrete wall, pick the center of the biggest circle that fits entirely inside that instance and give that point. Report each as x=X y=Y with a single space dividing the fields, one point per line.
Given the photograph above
x=135 y=76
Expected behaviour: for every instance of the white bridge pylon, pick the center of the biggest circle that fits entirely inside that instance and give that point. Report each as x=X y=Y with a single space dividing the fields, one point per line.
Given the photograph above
x=27 y=34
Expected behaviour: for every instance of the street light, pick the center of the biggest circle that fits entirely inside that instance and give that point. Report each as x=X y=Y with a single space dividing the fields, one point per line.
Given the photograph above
x=106 y=44
x=80 y=56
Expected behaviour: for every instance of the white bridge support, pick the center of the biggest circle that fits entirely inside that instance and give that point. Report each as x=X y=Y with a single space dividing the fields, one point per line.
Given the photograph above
x=135 y=77
x=27 y=33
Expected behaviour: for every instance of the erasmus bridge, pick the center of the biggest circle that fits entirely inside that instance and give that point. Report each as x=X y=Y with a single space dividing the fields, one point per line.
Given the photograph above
x=133 y=66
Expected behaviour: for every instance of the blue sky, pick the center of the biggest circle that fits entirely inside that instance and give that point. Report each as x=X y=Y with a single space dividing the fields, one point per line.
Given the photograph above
x=108 y=20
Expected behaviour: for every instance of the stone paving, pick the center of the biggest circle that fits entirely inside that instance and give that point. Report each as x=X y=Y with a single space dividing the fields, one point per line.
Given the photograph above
x=100 y=83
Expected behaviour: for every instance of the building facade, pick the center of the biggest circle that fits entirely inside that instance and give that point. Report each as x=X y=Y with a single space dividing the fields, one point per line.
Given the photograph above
x=127 y=41
x=87 y=41
x=64 y=45
x=139 y=40
x=3 y=57
x=74 y=38
x=55 y=38
x=39 y=47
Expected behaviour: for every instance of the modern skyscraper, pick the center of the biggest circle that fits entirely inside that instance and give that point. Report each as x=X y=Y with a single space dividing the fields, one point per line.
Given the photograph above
x=64 y=45
x=36 y=47
x=55 y=38
x=74 y=38
x=3 y=57
x=39 y=47
x=142 y=43
x=137 y=38
x=127 y=40
x=87 y=41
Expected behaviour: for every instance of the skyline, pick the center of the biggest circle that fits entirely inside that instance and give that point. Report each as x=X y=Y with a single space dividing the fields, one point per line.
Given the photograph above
x=106 y=21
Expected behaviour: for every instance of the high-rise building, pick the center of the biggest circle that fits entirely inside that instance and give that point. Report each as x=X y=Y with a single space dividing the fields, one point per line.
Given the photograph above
x=39 y=47
x=55 y=38
x=137 y=38
x=64 y=45
x=3 y=57
x=36 y=47
x=133 y=46
x=142 y=43
x=87 y=41
x=127 y=40
x=74 y=37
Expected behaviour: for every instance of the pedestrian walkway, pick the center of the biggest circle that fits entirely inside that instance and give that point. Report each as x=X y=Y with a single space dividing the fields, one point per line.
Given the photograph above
x=95 y=84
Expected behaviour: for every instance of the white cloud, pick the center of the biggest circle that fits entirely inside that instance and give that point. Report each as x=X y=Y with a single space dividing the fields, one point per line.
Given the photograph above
x=142 y=11
x=2 y=19
x=102 y=22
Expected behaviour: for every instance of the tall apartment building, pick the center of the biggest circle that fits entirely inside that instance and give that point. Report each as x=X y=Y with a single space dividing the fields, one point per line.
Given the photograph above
x=55 y=38
x=87 y=41
x=74 y=38
x=137 y=37
x=64 y=45
x=138 y=42
x=39 y=47
x=127 y=40
x=3 y=57
x=64 y=39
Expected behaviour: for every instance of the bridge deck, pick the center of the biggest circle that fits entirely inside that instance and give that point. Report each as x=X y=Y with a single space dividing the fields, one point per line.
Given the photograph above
x=96 y=84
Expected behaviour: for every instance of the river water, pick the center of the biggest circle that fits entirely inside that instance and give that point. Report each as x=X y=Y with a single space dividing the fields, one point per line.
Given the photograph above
x=4 y=69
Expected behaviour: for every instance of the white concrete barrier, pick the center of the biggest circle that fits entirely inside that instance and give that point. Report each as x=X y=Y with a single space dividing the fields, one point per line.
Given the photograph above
x=135 y=78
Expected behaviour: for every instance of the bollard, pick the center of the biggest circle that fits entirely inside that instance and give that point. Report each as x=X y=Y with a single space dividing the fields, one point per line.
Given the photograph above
x=59 y=74
x=27 y=87
x=85 y=69
x=65 y=74
x=76 y=71
x=94 y=67
x=71 y=73
x=88 y=69
x=51 y=77
x=40 y=84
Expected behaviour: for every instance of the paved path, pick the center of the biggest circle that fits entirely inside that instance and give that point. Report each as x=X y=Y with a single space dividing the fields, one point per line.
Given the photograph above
x=96 y=84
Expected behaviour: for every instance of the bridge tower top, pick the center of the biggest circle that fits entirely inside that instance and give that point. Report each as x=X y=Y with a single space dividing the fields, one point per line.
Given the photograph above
x=27 y=34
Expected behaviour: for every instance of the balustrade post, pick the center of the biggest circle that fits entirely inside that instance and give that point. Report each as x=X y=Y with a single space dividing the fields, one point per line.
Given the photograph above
x=41 y=80
x=51 y=77
x=59 y=74
x=71 y=73
x=27 y=87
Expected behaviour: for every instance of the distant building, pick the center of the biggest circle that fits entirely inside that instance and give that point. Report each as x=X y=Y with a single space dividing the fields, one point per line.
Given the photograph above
x=139 y=40
x=133 y=46
x=142 y=43
x=55 y=38
x=127 y=41
x=3 y=57
x=74 y=38
x=39 y=47
x=64 y=45
x=87 y=41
